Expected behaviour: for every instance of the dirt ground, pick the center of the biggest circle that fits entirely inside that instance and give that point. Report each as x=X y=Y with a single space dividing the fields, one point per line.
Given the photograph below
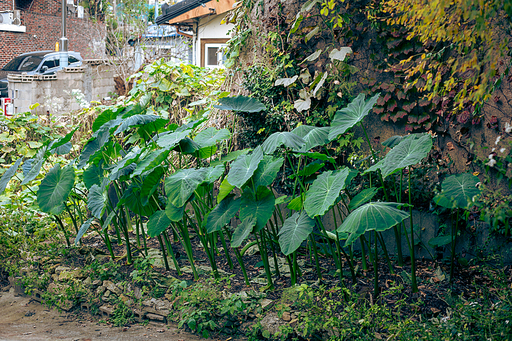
x=22 y=318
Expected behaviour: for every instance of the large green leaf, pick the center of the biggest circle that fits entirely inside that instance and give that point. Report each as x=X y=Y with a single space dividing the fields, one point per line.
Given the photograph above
x=172 y=139
x=61 y=145
x=224 y=189
x=324 y=191
x=93 y=175
x=135 y=120
x=8 y=175
x=393 y=141
x=93 y=146
x=85 y=226
x=214 y=173
x=34 y=170
x=96 y=200
x=210 y=136
x=158 y=223
x=259 y=205
x=318 y=156
x=242 y=231
x=267 y=171
x=174 y=213
x=121 y=168
x=230 y=157
x=151 y=161
x=240 y=103
x=244 y=167
x=187 y=146
x=221 y=215
x=290 y=140
x=55 y=188
x=150 y=184
x=362 y=198
x=132 y=199
x=314 y=136
x=294 y=231
x=348 y=117
x=458 y=191
x=180 y=185
x=410 y=151
x=378 y=216
x=106 y=116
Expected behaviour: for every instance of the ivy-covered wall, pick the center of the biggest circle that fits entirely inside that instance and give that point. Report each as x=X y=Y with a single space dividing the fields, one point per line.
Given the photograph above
x=307 y=59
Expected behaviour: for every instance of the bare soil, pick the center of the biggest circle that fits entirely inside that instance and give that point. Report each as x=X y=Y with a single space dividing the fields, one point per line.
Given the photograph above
x=22 y=318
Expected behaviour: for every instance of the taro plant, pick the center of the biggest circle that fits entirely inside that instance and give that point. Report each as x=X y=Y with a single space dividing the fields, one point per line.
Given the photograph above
x=458 y=194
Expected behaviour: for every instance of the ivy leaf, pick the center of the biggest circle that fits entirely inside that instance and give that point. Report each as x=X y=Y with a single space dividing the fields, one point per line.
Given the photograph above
x=286 y=81
x=302 y=104
x=312 y=57
x=340 y=54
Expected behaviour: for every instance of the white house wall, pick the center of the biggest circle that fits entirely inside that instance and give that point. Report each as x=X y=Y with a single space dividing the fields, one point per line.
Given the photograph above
x=209 y=28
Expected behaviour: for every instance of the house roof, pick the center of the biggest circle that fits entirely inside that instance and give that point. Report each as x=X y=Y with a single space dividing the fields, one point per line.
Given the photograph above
x=186 y=11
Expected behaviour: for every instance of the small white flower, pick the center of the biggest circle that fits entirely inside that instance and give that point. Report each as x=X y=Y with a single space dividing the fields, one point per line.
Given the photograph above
x=502 y=150
x=508 y=127
x=497 y=140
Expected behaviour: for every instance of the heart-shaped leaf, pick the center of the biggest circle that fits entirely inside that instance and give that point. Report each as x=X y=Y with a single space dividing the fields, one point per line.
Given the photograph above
x=172 y=139
x=174 y=213
x=267 y=171
x=210 y=136
x=314 y=136
x=348 y=117
x=180 y=185
x=259 y=205
x=135 y=120
x=244 y=167
x=8 y=175
x=242 y=231
x=378 y=216
x=362 y=198
x=221 y=215
x=150 y=184
x=96 y=200
x=240 y=103
x=410 y=151
x=158 y=223
x=214 y=173
x=55 y=188
x=93 y=175
x=85 y=226
x=224 y=189
x=294 y=231
x=324 y=191
x=458 y=191
x=278 y=139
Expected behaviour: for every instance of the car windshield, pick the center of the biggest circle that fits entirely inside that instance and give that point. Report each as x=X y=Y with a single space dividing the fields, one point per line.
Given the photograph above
x=24 y=64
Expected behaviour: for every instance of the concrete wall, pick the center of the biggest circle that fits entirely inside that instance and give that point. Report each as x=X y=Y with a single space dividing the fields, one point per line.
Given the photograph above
x=210 y=28
x=95 y=80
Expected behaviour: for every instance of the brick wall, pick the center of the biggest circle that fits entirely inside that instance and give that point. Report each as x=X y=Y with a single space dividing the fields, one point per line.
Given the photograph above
x=43 y=23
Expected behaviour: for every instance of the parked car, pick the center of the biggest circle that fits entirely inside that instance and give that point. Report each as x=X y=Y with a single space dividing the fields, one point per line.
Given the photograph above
x=36 y=63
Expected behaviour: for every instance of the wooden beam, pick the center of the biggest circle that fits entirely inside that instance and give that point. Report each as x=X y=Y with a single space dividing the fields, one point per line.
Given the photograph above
x=212 y=7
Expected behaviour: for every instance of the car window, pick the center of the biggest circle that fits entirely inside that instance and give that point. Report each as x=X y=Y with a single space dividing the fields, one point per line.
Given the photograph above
x=72 y=60
x=30 y=63
x=49 y=63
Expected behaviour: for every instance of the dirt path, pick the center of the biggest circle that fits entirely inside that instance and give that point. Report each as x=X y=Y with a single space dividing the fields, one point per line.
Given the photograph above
x=22 y=318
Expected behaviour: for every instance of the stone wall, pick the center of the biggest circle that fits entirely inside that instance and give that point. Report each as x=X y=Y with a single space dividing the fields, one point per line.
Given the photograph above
x=95 y=79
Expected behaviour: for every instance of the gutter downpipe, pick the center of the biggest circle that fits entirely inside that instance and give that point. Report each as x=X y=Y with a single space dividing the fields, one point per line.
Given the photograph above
x=194 y=45
x=64 y=41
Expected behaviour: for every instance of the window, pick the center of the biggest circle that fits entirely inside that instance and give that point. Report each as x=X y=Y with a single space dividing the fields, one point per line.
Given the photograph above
x=214 y=55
